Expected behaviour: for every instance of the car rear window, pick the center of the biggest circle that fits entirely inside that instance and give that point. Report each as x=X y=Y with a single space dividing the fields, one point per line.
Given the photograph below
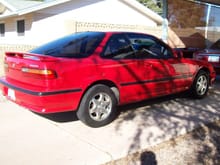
x=77 y=45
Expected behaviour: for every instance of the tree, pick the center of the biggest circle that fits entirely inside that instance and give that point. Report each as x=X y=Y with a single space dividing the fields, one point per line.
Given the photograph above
x=155 y=5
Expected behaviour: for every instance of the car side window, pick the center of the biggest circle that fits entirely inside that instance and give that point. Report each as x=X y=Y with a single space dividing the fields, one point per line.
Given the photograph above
x=147 y=46
x=81 y=47
x=118 y=47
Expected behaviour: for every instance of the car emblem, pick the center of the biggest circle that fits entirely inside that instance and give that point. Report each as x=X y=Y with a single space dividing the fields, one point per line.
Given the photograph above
x=13 y=65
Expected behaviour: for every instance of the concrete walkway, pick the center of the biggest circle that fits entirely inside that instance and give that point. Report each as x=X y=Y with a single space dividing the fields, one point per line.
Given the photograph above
x=28 y=138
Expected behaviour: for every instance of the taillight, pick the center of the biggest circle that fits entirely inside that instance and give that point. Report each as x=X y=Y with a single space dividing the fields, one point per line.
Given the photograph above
x=39 y=73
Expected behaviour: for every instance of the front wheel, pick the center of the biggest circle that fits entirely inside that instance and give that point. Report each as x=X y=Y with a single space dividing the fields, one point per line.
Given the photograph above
x=98 y=106
x=200 y=85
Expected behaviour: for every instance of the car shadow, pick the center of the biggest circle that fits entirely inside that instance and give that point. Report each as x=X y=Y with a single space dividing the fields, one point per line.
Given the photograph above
x=62 y=117
x=71 y=116
x=152 y=101
x=159 y=100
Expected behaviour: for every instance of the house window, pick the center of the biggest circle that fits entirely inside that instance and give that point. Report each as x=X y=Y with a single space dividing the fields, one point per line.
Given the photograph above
x=2 y=29
x=20 y=27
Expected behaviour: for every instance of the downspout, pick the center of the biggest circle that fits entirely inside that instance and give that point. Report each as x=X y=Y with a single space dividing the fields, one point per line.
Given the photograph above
x=207 y=22
x=165 y=22
x=165 y=30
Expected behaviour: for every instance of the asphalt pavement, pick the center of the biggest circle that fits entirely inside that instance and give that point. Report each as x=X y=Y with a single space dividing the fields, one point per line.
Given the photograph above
x=29 y=138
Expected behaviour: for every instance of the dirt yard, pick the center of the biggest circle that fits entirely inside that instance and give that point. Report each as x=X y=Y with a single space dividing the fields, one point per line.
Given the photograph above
x=199 y=147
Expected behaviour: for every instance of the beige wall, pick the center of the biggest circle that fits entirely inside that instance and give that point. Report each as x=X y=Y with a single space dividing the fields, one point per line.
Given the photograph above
x=11 y=36
x=50 y=23
x=88 y=26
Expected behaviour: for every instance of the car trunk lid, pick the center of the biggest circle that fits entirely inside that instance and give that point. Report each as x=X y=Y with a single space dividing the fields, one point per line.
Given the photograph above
x=29 y=68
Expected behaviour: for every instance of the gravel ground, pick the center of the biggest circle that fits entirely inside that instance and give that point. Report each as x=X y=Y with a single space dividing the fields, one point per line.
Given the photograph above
x=199 y=147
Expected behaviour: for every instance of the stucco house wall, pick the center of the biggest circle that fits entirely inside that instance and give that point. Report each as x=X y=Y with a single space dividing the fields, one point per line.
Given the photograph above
x=11 y=36
x=45 y=21
x=47 y=24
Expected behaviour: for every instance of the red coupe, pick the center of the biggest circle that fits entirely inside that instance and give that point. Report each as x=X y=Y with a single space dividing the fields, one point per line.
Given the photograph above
x=93 y=72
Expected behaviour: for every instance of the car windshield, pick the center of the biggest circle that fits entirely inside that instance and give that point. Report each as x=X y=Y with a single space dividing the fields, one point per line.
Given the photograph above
x=77 y=45
x=216 y=45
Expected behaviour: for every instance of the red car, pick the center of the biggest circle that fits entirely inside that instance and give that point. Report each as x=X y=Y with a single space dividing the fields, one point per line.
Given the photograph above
x=93 y=72
x=211 y=55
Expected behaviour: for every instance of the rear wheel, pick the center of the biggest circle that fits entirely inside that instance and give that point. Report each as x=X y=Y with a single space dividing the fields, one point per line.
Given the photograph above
x=98 y=106
x=201 y=85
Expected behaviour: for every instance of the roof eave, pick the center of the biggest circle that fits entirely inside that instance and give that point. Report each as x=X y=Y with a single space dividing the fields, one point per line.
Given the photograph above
x=40 y=7
x=8 y=5
x=32 y=9
x=132 y=3
x=12 y=14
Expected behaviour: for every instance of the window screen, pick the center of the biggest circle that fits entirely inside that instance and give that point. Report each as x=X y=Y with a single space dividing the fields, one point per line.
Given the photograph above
x=21 y=26
x=2 y=29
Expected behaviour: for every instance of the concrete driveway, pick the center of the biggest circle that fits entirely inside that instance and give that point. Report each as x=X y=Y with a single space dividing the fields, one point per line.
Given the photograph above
x=29 y=138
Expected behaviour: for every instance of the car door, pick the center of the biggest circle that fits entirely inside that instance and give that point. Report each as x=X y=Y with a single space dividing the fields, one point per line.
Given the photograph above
x=180 y=71
x=121 y=66
x=168 y=73
x=157 y=71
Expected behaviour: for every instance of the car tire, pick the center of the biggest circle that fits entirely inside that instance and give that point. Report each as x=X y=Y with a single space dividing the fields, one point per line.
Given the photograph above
x=200 y=85
x=98 y=106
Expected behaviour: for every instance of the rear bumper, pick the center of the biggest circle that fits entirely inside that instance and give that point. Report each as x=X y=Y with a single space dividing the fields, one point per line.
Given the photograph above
x=42 y=101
